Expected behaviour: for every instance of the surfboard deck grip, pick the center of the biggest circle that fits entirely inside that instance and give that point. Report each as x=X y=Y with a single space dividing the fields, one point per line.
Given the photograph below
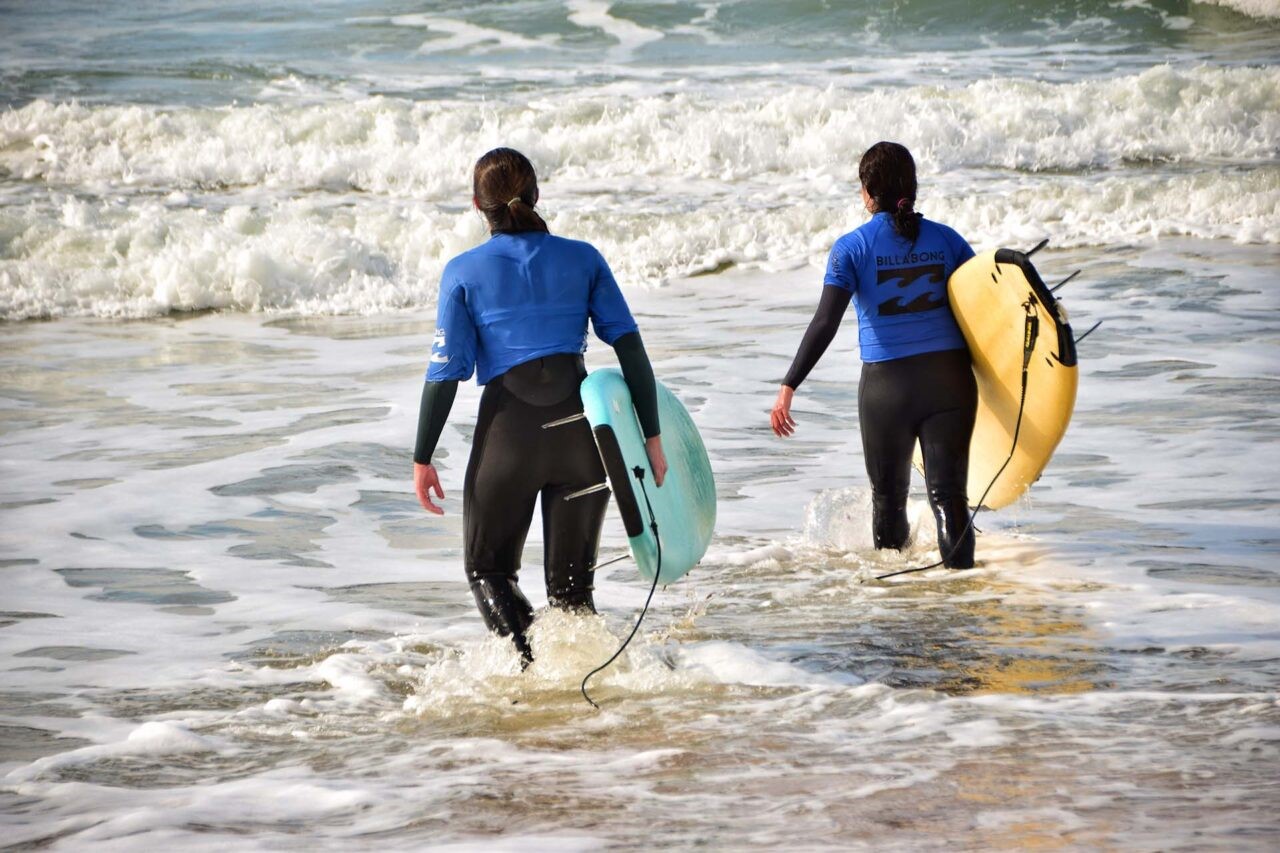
x=616 y=467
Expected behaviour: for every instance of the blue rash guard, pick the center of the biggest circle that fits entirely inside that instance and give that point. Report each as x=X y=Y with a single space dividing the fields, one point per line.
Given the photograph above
x=900 y=287
x=519 y=297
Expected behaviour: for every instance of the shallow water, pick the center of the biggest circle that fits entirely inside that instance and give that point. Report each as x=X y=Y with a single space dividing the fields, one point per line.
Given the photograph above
x=314 y=158
x=225 y=622
x=228 y=622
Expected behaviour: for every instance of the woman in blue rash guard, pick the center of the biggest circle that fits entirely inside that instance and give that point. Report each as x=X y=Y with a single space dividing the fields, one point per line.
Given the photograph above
x=514 y=310
x=917 y=382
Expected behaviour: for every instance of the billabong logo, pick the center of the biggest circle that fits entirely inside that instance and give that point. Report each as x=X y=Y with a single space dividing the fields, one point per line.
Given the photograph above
x=923 y=302
x=439 y=358
x=907 y=276
x=926 y=284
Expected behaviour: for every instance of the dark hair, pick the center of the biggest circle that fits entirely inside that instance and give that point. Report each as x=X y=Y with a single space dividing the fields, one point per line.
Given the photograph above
x=888 y=174
x=506 y=189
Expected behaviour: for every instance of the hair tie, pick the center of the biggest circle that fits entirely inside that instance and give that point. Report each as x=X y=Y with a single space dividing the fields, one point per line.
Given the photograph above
x=904 y=202
x=514 y=199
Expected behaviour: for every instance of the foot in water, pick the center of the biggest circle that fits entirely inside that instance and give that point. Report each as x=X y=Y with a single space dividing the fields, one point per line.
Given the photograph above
x=506 y=612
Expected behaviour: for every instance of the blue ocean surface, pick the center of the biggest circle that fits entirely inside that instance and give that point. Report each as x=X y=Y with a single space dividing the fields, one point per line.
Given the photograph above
x=225 y=623
x=215 y=53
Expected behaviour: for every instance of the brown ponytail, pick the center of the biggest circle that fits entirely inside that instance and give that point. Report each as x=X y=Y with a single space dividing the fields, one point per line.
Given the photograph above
x=506 y=190
x=888 y=174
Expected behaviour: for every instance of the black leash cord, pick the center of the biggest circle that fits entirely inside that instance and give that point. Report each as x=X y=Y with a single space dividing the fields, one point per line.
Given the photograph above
x=599 y=566
x=653 y=525
x=1030 y=333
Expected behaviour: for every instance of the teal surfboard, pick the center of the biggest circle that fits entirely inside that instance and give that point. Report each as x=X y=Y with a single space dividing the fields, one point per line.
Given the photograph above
x=684 y=507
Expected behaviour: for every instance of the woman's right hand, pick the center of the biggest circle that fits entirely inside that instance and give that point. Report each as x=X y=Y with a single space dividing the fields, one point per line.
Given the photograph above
x=425 y=478
x=780 y=418
x=657 y=459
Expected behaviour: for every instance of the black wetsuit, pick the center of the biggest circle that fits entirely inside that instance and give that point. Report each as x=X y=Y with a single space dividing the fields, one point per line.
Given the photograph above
x=524 y=447
x=932 y=398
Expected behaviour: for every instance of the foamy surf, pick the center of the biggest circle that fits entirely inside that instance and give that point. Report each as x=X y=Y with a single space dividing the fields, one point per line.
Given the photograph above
x=392 y=146
x=226 y=623
x=231 y=484
x=1254 y=8
x=330 y=208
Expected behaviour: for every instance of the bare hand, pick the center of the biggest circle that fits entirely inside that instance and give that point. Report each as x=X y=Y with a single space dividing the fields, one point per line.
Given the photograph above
x=425 y=478
x=657 y=459
x=780 y=418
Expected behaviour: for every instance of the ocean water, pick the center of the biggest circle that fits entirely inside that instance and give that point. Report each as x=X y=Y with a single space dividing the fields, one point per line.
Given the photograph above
x=225 y=623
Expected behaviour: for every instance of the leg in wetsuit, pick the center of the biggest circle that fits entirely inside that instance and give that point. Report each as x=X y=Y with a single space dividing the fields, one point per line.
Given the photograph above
x=931 y=397
x=514 y=461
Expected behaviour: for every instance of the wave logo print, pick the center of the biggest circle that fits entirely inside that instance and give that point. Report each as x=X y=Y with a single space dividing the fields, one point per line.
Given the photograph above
x=932 y=274
x=439 y=343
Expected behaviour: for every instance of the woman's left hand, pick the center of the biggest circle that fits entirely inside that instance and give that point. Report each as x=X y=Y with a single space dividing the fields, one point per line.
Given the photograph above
x=780 y=418
x=657 y=459
x=425 y=479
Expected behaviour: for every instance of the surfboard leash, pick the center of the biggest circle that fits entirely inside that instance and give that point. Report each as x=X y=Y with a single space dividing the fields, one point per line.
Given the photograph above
x=598 y=566
x=638 y=472
x=1031 y=331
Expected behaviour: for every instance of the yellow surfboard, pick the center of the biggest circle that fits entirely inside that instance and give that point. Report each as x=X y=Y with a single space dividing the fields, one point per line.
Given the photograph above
x=1011 y=319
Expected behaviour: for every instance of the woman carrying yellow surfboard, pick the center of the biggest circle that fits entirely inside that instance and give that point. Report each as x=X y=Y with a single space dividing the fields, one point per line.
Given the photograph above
x=917 y=383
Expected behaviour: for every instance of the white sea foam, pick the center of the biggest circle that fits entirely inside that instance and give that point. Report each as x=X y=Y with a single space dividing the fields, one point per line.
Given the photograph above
x=699 y=27
x=807 y=135
x=772 y=554
x=597 y=14
x=326 y=730
x=111 y=818
x=146 y=257
x=148 y=739
x=840 y=519
x=237 y=484
x=1253 y=8
x=731 y=663
x=355 y=208
x=467 y=37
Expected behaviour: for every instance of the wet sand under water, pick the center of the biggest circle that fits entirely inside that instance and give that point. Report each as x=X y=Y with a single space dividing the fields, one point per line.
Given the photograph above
x=227 y=623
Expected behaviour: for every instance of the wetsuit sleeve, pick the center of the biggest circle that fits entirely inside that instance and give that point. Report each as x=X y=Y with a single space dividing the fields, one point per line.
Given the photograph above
x=453 y=351
x=822 y=329
x=433 y=411
x=610 y=316
x=638 y=372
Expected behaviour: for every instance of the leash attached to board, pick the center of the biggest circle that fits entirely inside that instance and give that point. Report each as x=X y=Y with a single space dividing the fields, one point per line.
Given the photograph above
x=638 y=472
x=683 y=508
x=1030 y=333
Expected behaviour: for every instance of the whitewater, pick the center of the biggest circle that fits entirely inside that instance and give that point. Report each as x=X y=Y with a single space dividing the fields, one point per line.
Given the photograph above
x=356 y=206
x=225 y=622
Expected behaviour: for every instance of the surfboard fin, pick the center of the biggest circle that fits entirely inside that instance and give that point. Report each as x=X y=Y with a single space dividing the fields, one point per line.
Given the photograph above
x=1054 y=289
x=1038 y=246
x=1090 y=332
